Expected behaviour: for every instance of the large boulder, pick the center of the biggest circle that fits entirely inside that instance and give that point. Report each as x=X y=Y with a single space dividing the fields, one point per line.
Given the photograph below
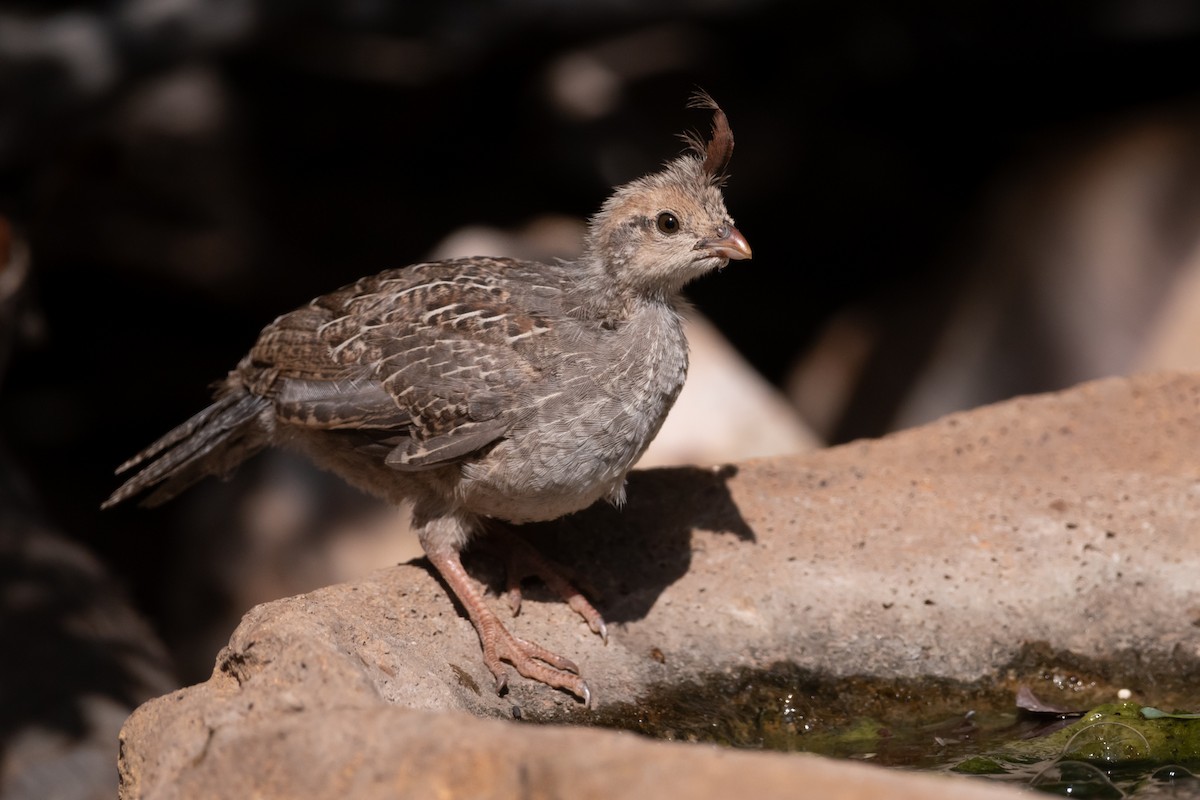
x=1070 y=520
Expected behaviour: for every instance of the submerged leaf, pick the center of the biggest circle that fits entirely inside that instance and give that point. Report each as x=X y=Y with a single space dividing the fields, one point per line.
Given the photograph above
x=1028 y=701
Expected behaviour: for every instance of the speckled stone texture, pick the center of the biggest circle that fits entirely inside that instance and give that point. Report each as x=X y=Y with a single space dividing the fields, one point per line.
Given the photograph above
x=1071 y=519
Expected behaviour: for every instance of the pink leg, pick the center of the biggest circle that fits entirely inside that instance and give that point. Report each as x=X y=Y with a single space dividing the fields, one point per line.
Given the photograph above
x=530 y=659
x=523 y=560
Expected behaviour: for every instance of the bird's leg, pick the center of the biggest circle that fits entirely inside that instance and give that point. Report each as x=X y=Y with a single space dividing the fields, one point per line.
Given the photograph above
x=530 y=659
x=523 y=559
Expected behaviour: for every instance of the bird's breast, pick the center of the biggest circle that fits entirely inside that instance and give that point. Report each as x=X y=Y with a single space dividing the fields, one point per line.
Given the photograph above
x=583 y=430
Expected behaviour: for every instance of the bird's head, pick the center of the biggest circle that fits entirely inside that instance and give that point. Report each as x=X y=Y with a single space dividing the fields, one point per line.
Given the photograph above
x=656 y=233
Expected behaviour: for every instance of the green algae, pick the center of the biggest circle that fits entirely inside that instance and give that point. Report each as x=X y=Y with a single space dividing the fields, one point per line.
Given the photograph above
x=1114 y=734
x=1114 y=749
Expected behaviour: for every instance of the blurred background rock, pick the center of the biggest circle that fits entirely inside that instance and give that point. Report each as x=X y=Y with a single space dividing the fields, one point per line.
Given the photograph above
x=949 y=204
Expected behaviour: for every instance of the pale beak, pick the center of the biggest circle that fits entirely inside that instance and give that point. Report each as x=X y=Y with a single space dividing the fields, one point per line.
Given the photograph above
x=731 y=244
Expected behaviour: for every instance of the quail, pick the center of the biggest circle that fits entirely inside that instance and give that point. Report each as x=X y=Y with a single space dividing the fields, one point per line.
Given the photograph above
x=483 y=388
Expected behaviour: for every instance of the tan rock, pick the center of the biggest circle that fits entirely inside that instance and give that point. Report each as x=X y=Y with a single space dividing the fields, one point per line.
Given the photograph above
x=1070 y=519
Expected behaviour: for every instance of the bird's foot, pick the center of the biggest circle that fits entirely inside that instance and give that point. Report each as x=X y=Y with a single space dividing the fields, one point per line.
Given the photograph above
x=523 y=560
x=529 y=658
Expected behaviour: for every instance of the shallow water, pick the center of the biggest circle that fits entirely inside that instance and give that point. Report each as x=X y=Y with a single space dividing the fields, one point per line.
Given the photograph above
x=940 y=725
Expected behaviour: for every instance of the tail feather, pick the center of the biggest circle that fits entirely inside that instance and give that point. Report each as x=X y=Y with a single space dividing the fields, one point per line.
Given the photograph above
x=212 y=442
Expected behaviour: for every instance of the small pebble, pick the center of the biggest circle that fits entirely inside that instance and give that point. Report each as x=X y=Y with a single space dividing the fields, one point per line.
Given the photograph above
x=1124 y=694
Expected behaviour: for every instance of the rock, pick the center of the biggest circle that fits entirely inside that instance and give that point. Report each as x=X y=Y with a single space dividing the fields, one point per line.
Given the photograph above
x=1173 y=340
x=390 y=753
x=1067 y=519
x=77 y=657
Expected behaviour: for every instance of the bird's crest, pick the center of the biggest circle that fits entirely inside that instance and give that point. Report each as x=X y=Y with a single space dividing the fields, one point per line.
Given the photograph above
x=716 y=152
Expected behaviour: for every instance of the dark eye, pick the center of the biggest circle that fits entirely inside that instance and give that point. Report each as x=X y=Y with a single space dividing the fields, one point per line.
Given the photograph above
x=667 y=223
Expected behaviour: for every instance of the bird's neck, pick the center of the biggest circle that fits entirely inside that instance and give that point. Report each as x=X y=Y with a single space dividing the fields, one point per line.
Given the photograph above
x=599 y=294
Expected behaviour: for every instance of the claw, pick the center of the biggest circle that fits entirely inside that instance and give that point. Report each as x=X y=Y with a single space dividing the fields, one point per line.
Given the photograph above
x=513 y=596
x=529 y=658
x=524 y=560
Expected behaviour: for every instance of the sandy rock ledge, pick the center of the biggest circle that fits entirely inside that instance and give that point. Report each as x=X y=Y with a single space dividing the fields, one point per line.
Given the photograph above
x=1070 y=519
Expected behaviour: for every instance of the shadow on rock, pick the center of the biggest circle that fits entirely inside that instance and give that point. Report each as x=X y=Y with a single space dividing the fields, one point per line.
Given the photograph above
x=623 y=559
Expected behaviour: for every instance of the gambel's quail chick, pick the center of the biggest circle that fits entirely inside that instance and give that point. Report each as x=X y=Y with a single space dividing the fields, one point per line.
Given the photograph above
x=482 y=387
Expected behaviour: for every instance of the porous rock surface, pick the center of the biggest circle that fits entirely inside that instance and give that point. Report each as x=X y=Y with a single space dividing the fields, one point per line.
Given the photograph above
x=1070 y=519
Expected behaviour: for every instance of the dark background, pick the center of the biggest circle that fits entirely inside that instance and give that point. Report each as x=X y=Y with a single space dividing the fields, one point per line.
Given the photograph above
x=184 y=172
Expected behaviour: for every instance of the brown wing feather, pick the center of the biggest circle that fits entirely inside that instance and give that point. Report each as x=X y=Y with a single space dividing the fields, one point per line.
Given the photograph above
x=427 y=352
